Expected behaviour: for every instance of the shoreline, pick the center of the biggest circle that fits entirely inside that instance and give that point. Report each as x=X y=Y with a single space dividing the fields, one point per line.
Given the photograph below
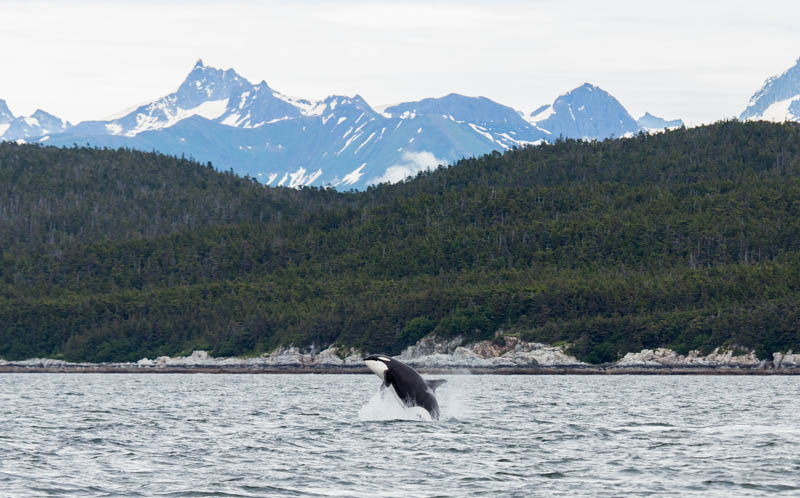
x=577 y=370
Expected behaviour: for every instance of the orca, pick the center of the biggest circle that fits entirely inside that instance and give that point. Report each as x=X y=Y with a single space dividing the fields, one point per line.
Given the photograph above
x=409 y=385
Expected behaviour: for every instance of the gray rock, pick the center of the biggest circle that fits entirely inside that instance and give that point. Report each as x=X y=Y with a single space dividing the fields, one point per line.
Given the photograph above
x=662 y=357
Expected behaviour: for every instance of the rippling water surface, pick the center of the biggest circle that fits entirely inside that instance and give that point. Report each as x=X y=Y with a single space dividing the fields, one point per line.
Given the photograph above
x=333 y=435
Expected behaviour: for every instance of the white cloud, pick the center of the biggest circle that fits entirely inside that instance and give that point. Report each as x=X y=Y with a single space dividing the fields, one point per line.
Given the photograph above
x=411 y=164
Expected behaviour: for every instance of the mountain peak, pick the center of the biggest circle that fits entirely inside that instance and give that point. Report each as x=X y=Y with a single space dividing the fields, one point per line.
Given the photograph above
x=778 y=99
x=6 y=116
x=205 y=83
x=585 y=89
x=655 y=123
x=219 y=115
x=38 y=114
x=588 y=112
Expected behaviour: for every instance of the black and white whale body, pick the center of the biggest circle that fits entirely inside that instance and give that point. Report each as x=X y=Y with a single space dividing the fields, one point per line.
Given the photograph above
x=410 y=387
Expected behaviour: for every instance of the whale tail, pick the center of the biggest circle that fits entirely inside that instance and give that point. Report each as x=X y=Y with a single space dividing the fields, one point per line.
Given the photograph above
x=433 y=384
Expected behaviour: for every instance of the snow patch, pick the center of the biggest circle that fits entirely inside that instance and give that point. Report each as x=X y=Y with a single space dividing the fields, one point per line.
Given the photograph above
x=313 y=176
x=349 y=141
x=283 y=180
x=304 y=106
x=535 y=142
x=777 y=112
x=353 y=176
x=542 y=115
x=365 y=142
x=316 y=110
x=231 y=120
x=482 y=131
x=298 y=178
x=114 y=128
x=211 y=109
x=276 y=120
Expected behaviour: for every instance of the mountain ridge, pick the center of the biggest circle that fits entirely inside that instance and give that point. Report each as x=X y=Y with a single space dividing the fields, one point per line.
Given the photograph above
x=219 y=116
x=778 y=99
x=38 y=124
x=344 y=142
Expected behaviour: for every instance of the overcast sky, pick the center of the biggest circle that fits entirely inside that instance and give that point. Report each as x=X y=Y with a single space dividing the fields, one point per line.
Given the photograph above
x=700 y=61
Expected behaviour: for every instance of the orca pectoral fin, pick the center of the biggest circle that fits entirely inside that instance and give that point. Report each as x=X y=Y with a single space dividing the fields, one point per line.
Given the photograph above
x=387 y=381
x=434 y=383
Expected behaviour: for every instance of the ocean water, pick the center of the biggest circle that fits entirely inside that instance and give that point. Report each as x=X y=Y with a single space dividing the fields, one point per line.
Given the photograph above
x=336 y=435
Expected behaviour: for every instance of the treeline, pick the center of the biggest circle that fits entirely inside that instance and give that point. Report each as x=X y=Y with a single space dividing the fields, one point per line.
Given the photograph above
x=688 y=239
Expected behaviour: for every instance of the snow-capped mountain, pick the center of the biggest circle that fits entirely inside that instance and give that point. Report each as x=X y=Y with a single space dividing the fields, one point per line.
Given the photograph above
x=778 y=99
x=38 y=125
x=498 y=123
x=341 y=141
x=587 y=112
x=217 y=95
x=651 y=123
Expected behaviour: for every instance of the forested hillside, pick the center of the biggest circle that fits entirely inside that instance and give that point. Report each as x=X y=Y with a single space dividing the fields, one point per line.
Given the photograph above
x=688 y=239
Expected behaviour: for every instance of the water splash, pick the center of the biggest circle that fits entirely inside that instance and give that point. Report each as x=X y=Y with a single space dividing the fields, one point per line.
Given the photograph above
x=385 y=405
x=452 y=406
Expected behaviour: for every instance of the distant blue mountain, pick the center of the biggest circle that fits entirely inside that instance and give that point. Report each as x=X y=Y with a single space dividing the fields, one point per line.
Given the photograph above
x=6 y=116
x=586 y=112
x=219 y=116
x=778 y=99
x=496 y=122
x=654 y=123
x=340 y=141
x=37 y=125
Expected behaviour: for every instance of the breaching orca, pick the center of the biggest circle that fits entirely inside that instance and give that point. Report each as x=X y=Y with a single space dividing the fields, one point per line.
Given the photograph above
x=410 y=387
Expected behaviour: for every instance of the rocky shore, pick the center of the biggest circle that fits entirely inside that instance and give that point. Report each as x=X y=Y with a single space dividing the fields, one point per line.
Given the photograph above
x=508 y=356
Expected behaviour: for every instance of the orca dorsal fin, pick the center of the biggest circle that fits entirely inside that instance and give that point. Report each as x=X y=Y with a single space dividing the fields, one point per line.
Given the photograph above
x=434 y=383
